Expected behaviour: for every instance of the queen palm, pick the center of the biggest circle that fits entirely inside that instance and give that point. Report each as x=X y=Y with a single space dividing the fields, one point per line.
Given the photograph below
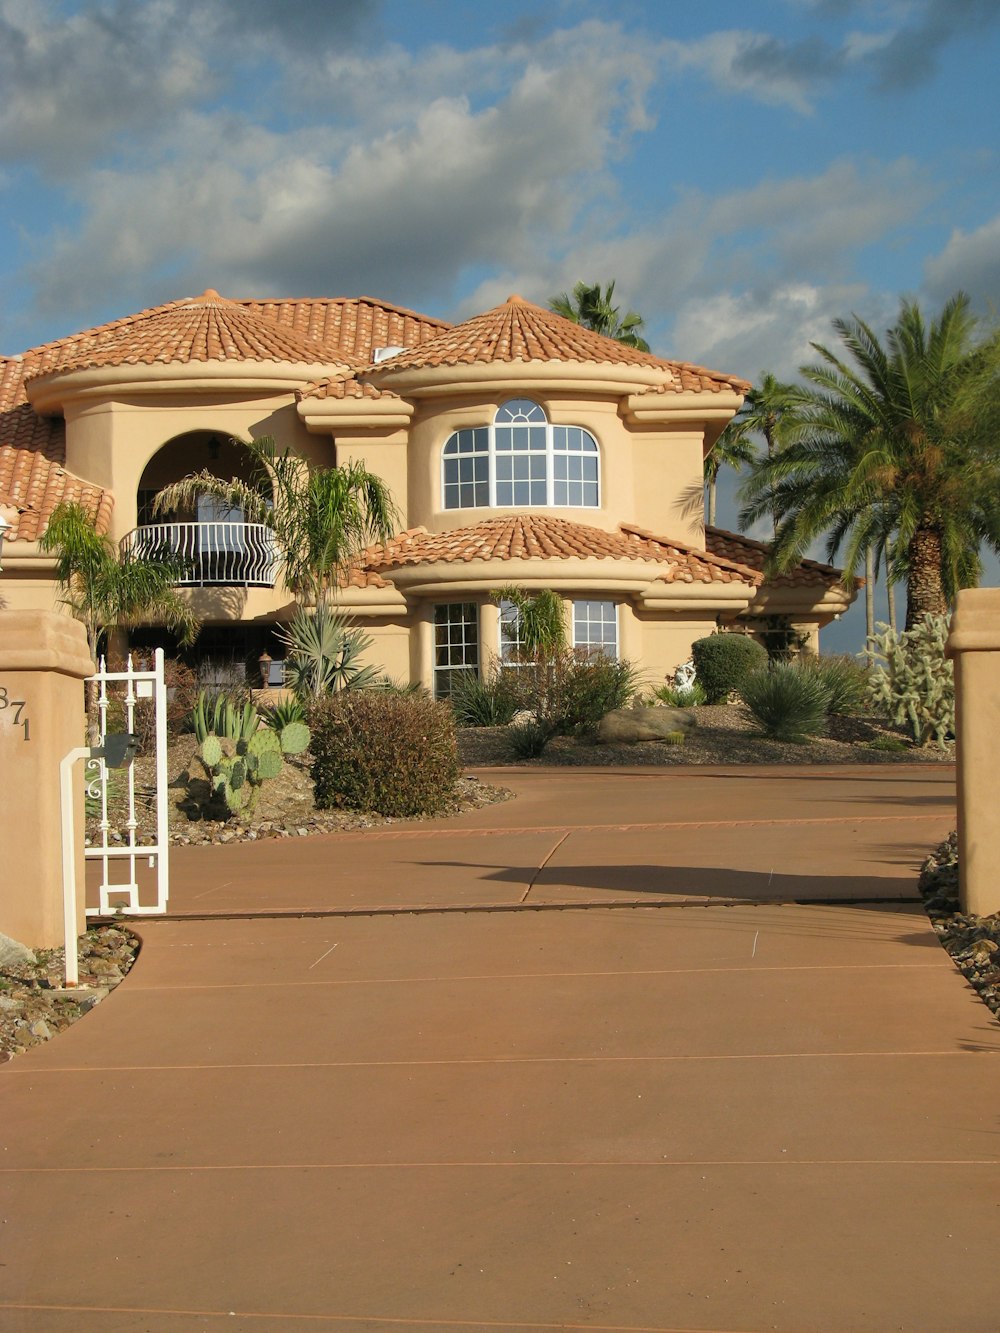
x=590 y=306
x=900 y=455
x=107 y=588
x=321 y=518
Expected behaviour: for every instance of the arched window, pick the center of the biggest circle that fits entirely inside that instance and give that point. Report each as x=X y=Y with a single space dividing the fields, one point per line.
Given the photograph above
x=521 y=461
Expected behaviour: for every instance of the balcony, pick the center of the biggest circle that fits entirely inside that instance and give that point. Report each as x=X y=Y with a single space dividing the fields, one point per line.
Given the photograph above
x=216 y=554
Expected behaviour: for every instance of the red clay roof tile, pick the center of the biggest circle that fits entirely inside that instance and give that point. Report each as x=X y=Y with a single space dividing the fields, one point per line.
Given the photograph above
x=806 y=574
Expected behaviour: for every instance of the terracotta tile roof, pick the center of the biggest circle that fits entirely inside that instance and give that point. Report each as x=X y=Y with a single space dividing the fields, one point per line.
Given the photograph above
x=806 y=574
x=542 y=537
x=205 y=328
x=32 y=452
x=346 y=386
x=351 y=327
x=520 y=331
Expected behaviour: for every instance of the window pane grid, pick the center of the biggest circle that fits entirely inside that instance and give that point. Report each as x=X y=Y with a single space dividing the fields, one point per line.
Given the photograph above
x=595 y=627
x=456 y=645
x=521 y=461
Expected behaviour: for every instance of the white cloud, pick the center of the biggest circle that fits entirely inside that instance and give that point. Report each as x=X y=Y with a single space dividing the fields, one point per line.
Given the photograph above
x=969 y=262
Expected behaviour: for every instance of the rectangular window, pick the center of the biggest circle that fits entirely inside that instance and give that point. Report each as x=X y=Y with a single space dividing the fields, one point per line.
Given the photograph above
x=510 y=634
x=456 y=645
x=595 y=627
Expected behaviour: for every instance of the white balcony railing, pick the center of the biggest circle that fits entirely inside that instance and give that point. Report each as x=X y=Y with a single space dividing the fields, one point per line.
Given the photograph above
x=230 y=554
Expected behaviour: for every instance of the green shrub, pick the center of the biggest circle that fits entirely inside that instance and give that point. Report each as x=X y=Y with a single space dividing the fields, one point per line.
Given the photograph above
x=322 y=654
x=277 y=715
x=913 y=681
x=844 y=679
x=571 y=692
x=789 y=703
x=723 y=662
x=528 y=739
x=680 y=696
x=393 y=754
x=488 y=702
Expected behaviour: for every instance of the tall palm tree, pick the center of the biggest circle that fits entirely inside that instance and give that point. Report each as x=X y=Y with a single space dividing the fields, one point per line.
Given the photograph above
x=900 y=454
x=593 y=308
x=733 y=448
x=321 y=518
x=770 y=412
x=109 y=589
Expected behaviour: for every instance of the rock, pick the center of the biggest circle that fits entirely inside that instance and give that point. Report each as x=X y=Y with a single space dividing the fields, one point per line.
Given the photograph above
x=40 y=1029
x=628 y=725
x=11 y=952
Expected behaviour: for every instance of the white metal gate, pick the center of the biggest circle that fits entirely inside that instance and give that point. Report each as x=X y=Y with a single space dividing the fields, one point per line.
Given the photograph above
x=132 y=825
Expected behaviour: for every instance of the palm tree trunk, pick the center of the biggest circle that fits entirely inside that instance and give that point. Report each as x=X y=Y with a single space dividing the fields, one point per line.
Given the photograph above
x=711 y=503
x=869 y=602
x=890 y=590
x=924 y=587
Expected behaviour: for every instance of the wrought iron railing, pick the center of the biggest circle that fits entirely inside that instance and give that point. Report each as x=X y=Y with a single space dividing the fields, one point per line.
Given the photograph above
x=233 y=554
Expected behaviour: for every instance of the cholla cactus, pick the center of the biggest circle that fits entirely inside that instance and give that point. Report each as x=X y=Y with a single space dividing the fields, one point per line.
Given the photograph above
x=913 y=680
x=239 y=769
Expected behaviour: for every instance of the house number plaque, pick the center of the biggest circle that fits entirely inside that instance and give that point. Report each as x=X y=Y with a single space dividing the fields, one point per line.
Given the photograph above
x=17 y=717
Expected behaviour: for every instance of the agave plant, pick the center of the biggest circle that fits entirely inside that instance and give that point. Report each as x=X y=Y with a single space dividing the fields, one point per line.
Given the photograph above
x=323 y=651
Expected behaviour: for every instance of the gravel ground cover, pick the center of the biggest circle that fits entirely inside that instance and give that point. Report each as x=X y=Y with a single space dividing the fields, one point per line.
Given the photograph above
x=34 y=1005
x=972 y=941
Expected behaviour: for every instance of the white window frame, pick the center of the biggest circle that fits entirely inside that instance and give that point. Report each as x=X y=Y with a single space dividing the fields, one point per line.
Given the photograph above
x=448 y=671
x=583 y=617
x=522 y=412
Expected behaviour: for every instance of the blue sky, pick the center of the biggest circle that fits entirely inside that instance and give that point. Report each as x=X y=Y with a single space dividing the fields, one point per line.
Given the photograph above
x=746 y=171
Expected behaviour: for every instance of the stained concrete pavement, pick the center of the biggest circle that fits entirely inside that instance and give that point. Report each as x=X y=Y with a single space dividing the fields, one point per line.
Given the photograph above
x=676 y=1102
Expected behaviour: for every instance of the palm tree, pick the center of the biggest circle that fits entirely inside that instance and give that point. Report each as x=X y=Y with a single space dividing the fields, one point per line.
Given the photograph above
x=322 y=518
x=107 y=588
x=593 y=308
x=733 y=448
x=900 y=454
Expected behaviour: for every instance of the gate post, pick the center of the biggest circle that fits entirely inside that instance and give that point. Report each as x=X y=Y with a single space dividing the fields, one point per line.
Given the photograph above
x=974 y=646
x=44 y=661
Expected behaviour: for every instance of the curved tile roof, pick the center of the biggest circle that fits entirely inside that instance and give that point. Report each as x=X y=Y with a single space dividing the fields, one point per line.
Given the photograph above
x=351 y=328
x=346 y=386
x=542 y=537
x=32 y=451
x=747 y=551
x=520 y=331
x=204 y=329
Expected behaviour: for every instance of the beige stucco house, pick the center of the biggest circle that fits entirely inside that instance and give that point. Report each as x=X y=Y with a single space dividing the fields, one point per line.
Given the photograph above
x=520 y=449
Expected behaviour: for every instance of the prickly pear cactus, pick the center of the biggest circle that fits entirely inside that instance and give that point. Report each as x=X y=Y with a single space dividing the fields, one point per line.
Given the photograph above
x=238 y=769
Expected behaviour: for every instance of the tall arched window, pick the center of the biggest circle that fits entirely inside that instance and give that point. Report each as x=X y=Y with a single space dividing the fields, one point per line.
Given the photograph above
x=522 y=461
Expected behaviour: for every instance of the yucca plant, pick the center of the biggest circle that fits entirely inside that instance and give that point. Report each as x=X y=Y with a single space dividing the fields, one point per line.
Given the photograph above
x=276 y=716
x=789 y=703
x=323 y=651
x=225 y=715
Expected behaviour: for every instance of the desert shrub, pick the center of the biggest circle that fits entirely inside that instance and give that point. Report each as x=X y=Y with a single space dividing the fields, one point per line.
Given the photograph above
x=844 y=679
x=724 y=661
x=789 y=703
x=680 y=696
x=275 y=716
x=490 y=701
x=570 y=692
x=393 y=754
x=323 y=652
x=912 y=680
x=528 y=739
x=226 y=713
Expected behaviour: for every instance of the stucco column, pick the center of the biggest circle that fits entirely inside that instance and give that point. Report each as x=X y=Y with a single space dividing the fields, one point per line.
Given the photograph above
x=43 y=662
x=489 y=636
x=974 y=647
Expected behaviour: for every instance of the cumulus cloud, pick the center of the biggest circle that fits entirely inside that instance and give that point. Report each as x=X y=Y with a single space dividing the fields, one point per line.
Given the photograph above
x=969 y=262
x=399 y=209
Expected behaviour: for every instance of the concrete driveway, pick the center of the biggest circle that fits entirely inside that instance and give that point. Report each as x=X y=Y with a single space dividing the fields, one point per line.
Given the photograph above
x=662 y=1101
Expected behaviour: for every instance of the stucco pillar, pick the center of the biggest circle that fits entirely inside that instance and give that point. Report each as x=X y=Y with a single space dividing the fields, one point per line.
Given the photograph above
x=43 y=662
x=974 y=647
x=489 y=636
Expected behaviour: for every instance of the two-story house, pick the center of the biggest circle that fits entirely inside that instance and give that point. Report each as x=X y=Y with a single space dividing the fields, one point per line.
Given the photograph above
x=520 y=448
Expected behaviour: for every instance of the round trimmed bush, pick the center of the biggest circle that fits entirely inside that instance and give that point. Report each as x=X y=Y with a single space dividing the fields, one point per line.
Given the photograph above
x=722 y=663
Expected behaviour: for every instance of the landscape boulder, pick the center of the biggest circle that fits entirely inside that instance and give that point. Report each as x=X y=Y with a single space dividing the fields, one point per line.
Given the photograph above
x=628 y=725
